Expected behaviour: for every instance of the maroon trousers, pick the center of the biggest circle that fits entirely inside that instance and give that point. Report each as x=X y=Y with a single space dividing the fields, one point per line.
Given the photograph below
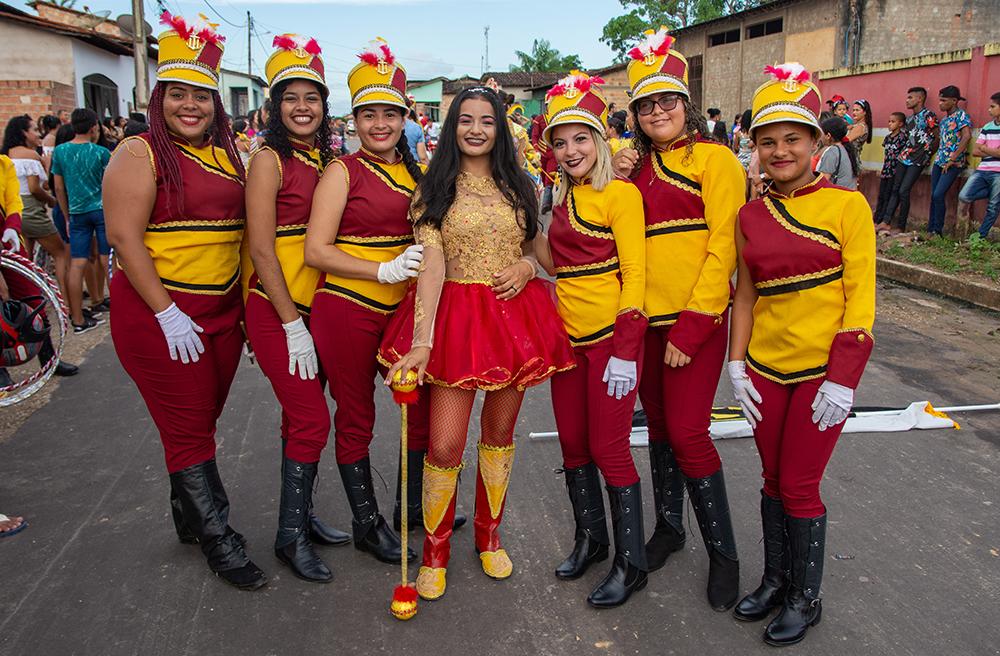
x=678 y=401
x=347 y=338
x=305 y=417
x=793 y=451
x=184 y=400
x=594 y=427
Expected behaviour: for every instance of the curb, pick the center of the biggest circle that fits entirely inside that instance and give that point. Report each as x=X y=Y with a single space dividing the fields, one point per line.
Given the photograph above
x=944 y=284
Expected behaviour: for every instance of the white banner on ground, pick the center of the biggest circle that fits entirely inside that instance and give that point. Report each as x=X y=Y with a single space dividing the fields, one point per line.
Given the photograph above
x=920 y=415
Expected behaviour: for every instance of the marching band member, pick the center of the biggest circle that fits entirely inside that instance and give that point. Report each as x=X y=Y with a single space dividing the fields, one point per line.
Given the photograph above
x=596 y=250
x=801 y=337
x=478 y=320
x=359 y=237
x=279 y=288
x=691 y=191
x=174 y=206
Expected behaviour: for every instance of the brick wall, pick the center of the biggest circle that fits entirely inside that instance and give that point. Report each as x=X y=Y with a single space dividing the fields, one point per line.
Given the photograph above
x=895 y=29
x=34 y=97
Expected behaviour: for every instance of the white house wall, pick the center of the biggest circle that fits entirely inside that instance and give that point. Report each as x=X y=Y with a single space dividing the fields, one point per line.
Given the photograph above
x=31 y=54
x=88 y=60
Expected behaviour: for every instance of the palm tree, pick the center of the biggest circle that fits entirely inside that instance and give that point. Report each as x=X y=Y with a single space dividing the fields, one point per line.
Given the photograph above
x=543 y=57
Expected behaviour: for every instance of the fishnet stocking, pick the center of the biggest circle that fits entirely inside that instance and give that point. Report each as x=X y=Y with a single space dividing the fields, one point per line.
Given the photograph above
x=499 y=416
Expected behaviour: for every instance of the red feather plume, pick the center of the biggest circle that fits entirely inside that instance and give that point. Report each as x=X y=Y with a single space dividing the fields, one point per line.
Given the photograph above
x=284 y=42
x=177 y=24
x=208 y=35
x=313 y=48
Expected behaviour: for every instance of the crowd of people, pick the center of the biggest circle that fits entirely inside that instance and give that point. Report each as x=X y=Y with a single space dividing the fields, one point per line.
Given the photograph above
x=262 y=235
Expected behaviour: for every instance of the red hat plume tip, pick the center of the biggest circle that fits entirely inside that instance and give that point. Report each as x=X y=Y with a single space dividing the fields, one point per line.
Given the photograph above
x=312 y=47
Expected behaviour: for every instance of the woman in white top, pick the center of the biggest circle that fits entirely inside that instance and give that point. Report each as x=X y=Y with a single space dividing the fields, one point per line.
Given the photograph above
x=21 y=141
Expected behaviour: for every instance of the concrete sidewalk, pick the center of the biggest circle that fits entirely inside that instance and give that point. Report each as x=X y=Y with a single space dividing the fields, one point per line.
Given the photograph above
x=912 y=563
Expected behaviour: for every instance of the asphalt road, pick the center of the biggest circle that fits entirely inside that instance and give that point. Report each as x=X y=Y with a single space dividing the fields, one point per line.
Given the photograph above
x=912 y=564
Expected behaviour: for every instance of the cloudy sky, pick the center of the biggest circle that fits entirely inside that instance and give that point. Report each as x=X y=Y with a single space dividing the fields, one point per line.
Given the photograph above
x=430 y=37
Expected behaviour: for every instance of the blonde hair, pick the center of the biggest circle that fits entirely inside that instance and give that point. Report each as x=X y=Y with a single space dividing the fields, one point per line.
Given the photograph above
x=600 y=175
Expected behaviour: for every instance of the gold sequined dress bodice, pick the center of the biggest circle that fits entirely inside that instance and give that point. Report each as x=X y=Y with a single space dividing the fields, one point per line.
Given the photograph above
x=480 y=234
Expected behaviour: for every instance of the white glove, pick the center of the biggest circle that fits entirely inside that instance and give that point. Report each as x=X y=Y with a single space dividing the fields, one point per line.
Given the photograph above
x=832 y=404
x=621 y=376
x=181 y=333
x=406 y=265
x=744 y=391
x=11 y=239
x=301 y=351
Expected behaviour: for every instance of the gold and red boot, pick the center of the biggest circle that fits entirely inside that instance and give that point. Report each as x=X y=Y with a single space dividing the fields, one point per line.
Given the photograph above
x=440 y=484
x=492 y=478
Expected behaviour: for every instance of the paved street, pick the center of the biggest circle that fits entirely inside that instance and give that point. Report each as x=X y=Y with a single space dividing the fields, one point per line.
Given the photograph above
x=912 y=566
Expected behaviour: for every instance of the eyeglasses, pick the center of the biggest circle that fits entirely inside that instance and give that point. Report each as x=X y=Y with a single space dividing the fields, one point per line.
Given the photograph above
x=666 y=102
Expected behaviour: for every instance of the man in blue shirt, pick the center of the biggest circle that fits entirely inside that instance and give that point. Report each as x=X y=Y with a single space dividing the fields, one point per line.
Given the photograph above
x=415 y=135
x=78 y=169
x=954 y=132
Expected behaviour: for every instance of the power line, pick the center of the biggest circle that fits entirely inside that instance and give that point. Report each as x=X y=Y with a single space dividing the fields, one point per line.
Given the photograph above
x=223 y=18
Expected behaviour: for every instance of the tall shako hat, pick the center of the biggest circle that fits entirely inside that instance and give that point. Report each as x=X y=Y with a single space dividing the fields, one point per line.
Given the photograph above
x=576 y=99
x=787 y=96
x=189 y=52
x=296 y=58
x=379 y=79
x=655 y=67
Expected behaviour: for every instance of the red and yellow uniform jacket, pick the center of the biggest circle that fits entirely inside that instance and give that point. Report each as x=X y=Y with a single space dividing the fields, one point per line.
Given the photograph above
x=197 y=252
x=11 y=204
x=598 y=248
x=375 y=226
x=691 y=203
x=811 y=257
x=299 y=176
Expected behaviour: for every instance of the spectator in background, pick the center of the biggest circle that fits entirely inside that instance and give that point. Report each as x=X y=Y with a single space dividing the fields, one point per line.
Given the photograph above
x=78 y=169
x=921 y=139
x=48 y=125
x=64 y=116
x=616 y=127
x=713 y=117
x=134 y=127
x=951 y=158
x=839 y=162
x=985 y=182
x=860 y=133
x=742 y=141
x=415 y=136
x=892 y=145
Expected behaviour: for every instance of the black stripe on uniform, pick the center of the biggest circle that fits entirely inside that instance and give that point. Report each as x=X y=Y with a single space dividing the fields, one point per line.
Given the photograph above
x=195 y=287
x=800 y=285
x=360 y=297
x=795 y=375
x=673 y=175
x=587 y=272
x=227 y=227
x=660 y=318
x=388 y=177
x=686 y=227
x=402 y=241
x=603 y=332
x=586 y=224
x=801 y=226
x=217 y=167
x=304 y=309
x=291 y=232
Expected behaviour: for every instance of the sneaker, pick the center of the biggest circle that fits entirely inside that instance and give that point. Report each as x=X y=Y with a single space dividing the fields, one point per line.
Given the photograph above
x=92 y=315
x=103 y=306
x=85 y=327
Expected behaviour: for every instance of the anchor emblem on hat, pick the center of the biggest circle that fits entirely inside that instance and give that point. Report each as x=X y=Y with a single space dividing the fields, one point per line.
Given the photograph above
x=194 y=42
x=649 y=59
x=382 y=67
x=300 y=52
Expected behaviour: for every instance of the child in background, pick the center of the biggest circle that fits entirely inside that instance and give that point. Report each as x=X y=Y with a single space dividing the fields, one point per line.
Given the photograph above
x=892 y=144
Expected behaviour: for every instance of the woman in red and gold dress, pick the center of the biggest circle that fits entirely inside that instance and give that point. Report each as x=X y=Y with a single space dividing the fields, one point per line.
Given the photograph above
x=173 y=201
x=359 y=237
x=596 y=250
x=691 y=191
x=478 y=320
x=279 y=288
x=801 y=337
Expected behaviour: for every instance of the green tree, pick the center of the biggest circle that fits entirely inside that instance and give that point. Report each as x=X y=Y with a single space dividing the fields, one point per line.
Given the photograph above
x=622 y=32
x=543 y=57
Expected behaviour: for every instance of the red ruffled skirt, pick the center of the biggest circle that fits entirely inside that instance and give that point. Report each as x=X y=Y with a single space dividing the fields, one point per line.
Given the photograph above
x=481 y=342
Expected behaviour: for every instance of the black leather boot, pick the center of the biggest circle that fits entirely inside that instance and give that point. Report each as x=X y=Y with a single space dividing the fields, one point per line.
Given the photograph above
x=371 y=532
x=590 y=544
x=628 y=568
x=205 y=510
x=802 y=607
x=47 y=352
x=414 y=494
x=291 y=545
x=184 y=533
x=318 y=531
x=711 y=507
x=774 y=584
x=668 y=495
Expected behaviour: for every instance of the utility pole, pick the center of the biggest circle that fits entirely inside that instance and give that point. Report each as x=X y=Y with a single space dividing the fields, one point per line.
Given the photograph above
x=486 y=59
x=140 y=57
x=249 y=50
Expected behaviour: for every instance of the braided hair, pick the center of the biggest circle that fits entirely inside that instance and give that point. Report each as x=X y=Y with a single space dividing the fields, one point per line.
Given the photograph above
x=277 y=136
x=694 y=126
x=165 y=154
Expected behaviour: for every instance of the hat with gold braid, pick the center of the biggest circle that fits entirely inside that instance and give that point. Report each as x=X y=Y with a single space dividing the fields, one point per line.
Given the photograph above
x=655 y=68
x=296 y=58
x=189 y=52
x=379 y=79
x=787 y=96
x=576 y=99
